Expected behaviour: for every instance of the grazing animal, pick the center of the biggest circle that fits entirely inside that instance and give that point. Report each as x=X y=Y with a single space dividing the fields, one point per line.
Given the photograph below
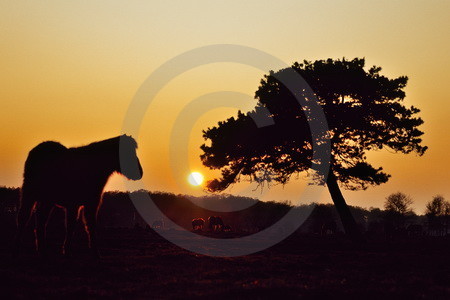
x=158 y=224
x=215 y=223
x=197 y=224
x=72 y=178
x=227 y=228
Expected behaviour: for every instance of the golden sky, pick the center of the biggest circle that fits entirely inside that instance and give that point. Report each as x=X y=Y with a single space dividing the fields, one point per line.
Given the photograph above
x=69 y=70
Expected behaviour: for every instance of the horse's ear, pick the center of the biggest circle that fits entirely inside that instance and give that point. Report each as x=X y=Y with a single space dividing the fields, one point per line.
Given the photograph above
x=130 y=140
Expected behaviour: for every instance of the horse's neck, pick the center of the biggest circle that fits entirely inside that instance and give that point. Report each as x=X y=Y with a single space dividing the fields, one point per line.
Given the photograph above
x=105 y=166
x=98 y=163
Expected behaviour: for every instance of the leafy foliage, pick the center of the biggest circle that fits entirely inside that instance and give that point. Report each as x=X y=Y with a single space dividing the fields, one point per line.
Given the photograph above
x=438 y=207
x=398 y=203
x=364 y=112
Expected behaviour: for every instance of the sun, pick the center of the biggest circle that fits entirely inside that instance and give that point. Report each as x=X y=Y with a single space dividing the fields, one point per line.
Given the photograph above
x=195 y=178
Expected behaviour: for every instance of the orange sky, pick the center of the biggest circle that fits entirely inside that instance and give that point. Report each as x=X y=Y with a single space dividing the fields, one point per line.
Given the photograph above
x=70 y=70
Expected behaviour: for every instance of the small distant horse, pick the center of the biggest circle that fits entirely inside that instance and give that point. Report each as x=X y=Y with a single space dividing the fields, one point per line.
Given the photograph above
x=158 y=224
x=215 y=223
x=197 y=224
x=72 y=178
x=227 y=228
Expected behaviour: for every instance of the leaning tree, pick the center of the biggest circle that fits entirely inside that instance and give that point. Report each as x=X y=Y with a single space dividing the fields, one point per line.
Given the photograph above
x=363 y=111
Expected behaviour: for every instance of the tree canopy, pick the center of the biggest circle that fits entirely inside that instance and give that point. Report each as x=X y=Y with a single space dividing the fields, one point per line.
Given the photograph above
x=364 y=111
x=398 y=203
x=438 y=206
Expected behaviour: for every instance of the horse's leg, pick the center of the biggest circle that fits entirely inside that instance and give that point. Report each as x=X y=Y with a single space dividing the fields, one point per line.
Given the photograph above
x=42 y=213
x=24 y=216
x=71 y=222
x=90 y=219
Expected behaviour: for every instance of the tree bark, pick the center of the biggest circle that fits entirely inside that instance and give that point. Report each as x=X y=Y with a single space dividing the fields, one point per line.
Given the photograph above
x=349 y=223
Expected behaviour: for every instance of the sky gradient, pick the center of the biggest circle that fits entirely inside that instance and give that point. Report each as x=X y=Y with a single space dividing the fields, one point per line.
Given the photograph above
x=70 y=70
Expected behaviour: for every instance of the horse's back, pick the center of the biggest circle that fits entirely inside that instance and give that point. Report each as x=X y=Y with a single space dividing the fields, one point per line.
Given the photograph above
x=42 y=155
x=48 y=147
x=42 y=164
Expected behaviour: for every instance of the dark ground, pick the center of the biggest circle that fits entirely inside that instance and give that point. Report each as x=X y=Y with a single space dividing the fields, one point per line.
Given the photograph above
x=139 y=264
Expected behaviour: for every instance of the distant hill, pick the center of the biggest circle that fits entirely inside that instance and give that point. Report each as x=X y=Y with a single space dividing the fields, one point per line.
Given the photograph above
x=244 y=215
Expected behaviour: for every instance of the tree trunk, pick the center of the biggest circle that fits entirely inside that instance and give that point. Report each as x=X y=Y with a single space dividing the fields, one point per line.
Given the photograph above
x=349 y=223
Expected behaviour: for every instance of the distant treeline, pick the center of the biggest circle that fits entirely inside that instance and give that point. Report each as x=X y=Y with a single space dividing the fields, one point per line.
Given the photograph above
x=248 y=215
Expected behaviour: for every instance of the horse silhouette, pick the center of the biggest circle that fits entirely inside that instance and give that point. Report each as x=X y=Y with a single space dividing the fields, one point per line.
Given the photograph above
x=227 y=228
x=158 y=224
x=197 y=224
x=73 y=179
x=215 y=223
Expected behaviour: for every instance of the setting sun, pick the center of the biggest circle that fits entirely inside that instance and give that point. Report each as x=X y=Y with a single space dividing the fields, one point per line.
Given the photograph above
x=195 y=178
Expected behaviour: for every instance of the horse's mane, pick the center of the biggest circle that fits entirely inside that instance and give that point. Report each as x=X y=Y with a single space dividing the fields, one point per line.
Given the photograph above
x=109 y=143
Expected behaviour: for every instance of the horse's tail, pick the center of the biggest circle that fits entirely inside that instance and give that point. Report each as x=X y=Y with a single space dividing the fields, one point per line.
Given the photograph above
x=36 y=165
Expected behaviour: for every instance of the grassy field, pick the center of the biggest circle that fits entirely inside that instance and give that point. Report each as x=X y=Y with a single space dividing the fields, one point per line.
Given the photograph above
x=139 y=264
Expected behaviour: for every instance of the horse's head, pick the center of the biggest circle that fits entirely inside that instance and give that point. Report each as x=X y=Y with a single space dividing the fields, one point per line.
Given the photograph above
x=130 y=166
